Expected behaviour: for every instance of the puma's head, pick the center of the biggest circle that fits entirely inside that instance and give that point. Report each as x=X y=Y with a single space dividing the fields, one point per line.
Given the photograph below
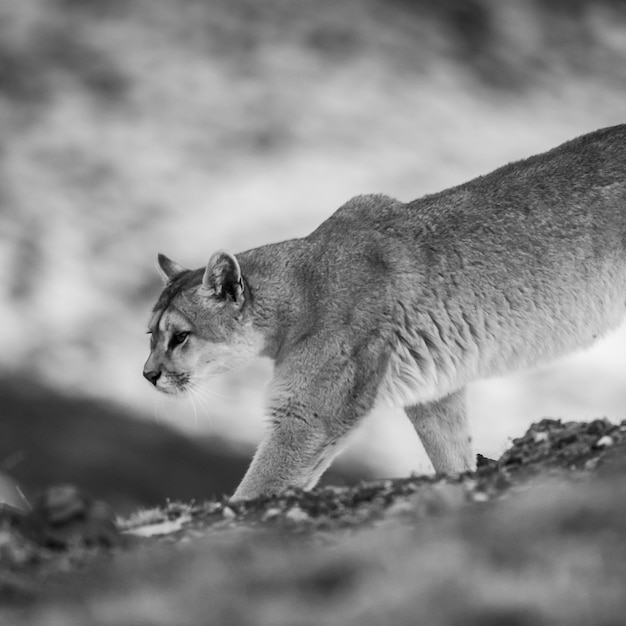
x=200 y=325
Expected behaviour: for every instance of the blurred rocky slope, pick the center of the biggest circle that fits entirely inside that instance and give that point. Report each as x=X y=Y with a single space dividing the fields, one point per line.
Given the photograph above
x=129 y=127
x=534 y=538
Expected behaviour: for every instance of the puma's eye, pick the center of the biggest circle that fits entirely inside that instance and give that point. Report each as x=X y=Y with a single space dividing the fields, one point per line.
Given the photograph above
x=178 y=339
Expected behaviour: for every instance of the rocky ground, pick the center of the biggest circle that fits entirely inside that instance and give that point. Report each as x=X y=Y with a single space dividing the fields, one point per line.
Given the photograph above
x=535 y=537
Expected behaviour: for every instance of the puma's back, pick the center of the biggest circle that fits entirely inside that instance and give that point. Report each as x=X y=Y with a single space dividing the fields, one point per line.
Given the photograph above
x=512 y=268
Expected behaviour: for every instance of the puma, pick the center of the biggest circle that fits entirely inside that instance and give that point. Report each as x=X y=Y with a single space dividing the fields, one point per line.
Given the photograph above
x=405 y=303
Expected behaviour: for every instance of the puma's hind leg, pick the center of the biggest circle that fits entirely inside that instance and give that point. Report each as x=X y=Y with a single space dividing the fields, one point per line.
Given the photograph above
x=443 y=429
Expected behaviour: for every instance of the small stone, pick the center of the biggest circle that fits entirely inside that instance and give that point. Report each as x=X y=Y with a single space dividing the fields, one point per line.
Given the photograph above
x=271 y=514
x=297 y=515
x=598 y=427
x=228 y=513
x=568 y=435
x=62 y=503
x=604 y=442
x=483 y=461
x=64 y=514
x=212 y=507
x=469 y=484
x=160 y=529
x=480 y=496
x=591 y=464
x=540 y=437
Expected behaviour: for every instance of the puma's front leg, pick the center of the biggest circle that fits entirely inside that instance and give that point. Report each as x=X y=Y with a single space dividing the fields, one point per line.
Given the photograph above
x=318 y=395
x=294 y=453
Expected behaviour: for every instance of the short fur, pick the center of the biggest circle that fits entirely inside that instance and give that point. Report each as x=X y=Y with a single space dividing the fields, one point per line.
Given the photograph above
x=407 y=303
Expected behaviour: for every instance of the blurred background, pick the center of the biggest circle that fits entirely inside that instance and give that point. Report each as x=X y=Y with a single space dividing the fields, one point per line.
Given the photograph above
x=129 y=127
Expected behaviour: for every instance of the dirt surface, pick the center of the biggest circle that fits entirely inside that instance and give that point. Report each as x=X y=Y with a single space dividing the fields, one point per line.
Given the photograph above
x=516 y=540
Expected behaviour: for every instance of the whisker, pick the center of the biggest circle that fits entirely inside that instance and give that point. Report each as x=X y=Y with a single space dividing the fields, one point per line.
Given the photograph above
x=202 y=401
x=193 y=396
x=202 y=382
x=200 y=392
x=205 y=395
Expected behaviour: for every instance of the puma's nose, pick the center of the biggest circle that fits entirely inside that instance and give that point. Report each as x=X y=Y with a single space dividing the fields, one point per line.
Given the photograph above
x=152 y=375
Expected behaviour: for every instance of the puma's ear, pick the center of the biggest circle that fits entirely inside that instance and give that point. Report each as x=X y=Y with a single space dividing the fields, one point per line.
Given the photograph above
x=168 y=269
x=223 y=276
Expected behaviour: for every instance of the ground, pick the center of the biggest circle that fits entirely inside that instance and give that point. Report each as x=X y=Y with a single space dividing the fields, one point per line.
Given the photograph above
x=535 y=537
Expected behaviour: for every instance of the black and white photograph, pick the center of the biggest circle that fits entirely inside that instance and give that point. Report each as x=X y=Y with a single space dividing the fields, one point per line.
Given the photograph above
x=312 y=313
